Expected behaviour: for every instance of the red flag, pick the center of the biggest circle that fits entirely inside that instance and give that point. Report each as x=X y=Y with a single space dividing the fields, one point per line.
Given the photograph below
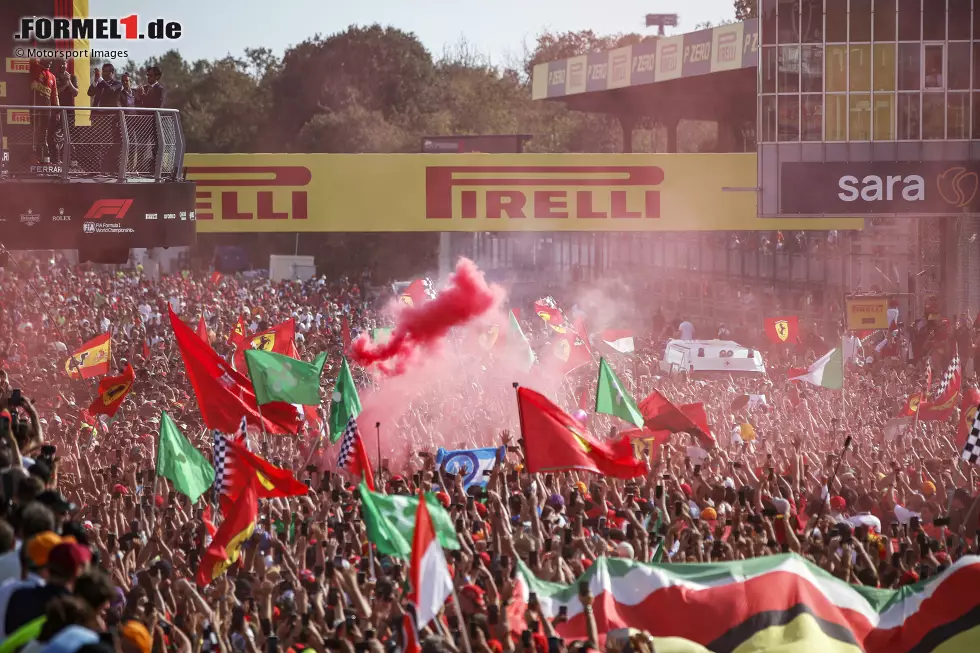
x=941 y=406
x=632 y=441
x=660 y=414
x=226 y=547
x=208 y=520
x=278 y=339
x=224 y=396
x=242 y=468
x=91 y=359
x=237 y=336
x=783 y=329
x=146 y=350
x=353 y=456
x=202 y=330
x=112 y=392
x=410 y=634
x=345 y=333
x=216 y=278
x=417 y=293
x=554 y=441
x=968 y=412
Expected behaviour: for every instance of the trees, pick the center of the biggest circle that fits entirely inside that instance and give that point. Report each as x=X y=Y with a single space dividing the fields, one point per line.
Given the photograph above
x=745 y=9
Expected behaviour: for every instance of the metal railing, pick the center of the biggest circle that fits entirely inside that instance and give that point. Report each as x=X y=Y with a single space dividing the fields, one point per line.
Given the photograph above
x=128 y=144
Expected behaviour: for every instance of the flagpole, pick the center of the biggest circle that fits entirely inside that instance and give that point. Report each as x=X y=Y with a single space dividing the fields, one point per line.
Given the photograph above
x=377 y=429
x=459 y=615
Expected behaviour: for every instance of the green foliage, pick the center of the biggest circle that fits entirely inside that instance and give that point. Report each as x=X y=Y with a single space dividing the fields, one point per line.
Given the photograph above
x=377 y=89
x=745 y=9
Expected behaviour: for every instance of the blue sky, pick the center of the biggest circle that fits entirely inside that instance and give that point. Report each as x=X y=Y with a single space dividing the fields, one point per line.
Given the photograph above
x=499 y=29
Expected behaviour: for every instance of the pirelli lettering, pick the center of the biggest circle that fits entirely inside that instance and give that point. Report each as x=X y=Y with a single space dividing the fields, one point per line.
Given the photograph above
x=543 y=193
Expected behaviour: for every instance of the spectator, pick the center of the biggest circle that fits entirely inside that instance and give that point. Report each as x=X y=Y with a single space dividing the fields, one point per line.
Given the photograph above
x=151 y=94
x=126 y=96
x=65 y=563
x=105 y=90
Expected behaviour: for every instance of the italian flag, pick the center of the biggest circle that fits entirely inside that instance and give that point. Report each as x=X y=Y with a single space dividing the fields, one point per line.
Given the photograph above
x=619 y=339
x=773 y=603
x=826 y=372
x=431 y=582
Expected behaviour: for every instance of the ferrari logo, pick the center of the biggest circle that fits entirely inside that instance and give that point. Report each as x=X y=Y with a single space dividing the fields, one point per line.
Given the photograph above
x=560 y=328
x=971 y=415
x=112 y=394
x=580 y=440
x=265 y=342
x=563 y=349
x=782 y=330
x=914 y=403
x=264 y=481
x=489 y=338
x=407 y=300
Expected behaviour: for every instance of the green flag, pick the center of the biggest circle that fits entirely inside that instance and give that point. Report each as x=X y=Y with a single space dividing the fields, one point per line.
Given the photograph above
x=521 y=343
x=344 y=403
x=179 y=461
x=611 y=397
x=390 y=522
x=276 y=377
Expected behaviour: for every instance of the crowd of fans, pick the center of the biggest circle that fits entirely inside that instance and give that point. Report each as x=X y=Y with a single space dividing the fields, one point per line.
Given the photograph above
x=98 y=554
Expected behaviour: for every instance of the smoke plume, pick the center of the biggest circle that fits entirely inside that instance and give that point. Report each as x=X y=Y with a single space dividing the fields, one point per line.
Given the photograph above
x=466 y=298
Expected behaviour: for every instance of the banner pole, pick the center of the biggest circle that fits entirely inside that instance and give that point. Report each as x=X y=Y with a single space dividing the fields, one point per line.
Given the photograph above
x=377 y=429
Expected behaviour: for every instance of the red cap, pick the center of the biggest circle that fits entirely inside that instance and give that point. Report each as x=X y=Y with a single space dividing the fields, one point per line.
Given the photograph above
x=443 y=498
x=68 y=559
x=119 y=488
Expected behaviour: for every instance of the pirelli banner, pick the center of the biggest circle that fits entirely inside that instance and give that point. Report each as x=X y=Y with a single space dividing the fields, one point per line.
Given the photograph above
x=480 y=192
x=866 y=313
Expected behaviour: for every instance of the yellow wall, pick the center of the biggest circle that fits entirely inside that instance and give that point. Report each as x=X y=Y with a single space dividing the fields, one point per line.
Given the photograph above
x=480 y=192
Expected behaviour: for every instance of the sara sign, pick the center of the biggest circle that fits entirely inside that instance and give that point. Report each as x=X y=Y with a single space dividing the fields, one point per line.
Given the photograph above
x=882 y=188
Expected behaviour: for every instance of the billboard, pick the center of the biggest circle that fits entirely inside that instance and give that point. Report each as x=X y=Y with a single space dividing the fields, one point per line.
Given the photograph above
x=46 y=215
x=924 y=188
x=866 y=313
x=480 y=192
x=727 y=47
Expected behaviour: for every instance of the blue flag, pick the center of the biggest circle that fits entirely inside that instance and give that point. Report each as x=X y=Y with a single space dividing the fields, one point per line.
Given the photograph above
x=470 y=463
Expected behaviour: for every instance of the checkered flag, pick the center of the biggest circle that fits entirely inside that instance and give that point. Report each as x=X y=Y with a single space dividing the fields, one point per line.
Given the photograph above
x=221 y=455
x=353 y=457
x=971 y=450
x=348 y=444
x=952 y=372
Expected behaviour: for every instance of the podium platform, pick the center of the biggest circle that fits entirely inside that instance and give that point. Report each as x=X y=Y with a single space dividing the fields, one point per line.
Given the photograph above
x=101 y=181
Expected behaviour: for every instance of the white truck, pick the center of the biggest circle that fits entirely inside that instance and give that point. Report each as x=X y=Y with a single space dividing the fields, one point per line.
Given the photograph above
x=707 y=358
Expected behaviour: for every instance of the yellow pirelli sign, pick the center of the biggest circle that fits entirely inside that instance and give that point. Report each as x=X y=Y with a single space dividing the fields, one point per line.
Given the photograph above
x=481 y=192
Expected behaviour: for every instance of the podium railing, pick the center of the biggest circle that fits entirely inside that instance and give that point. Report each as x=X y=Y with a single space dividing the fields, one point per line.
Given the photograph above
x=128 y=144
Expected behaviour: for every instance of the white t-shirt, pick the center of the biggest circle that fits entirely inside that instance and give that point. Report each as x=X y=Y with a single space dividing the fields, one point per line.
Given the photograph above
x=687 y=330
x=865 y=519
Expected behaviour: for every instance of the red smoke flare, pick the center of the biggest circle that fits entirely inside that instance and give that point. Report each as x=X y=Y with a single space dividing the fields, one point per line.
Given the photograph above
x=465 y=299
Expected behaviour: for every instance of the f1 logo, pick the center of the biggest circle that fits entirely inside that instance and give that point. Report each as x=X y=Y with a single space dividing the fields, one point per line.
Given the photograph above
x=108 y=209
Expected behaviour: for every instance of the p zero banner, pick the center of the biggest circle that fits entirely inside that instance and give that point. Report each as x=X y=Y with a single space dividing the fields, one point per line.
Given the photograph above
x=46 y=215
x=866 y=313
x=479 y=192
x=927 y=188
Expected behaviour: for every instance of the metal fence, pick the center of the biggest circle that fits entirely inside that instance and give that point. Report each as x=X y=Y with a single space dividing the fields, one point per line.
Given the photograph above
x=66 y=142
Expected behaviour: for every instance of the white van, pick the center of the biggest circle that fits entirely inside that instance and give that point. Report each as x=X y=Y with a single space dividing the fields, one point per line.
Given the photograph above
x=706 y=358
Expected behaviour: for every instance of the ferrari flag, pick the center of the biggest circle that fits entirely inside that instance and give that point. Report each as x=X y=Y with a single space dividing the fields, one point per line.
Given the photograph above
x=112 y=392
x=783 y=329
